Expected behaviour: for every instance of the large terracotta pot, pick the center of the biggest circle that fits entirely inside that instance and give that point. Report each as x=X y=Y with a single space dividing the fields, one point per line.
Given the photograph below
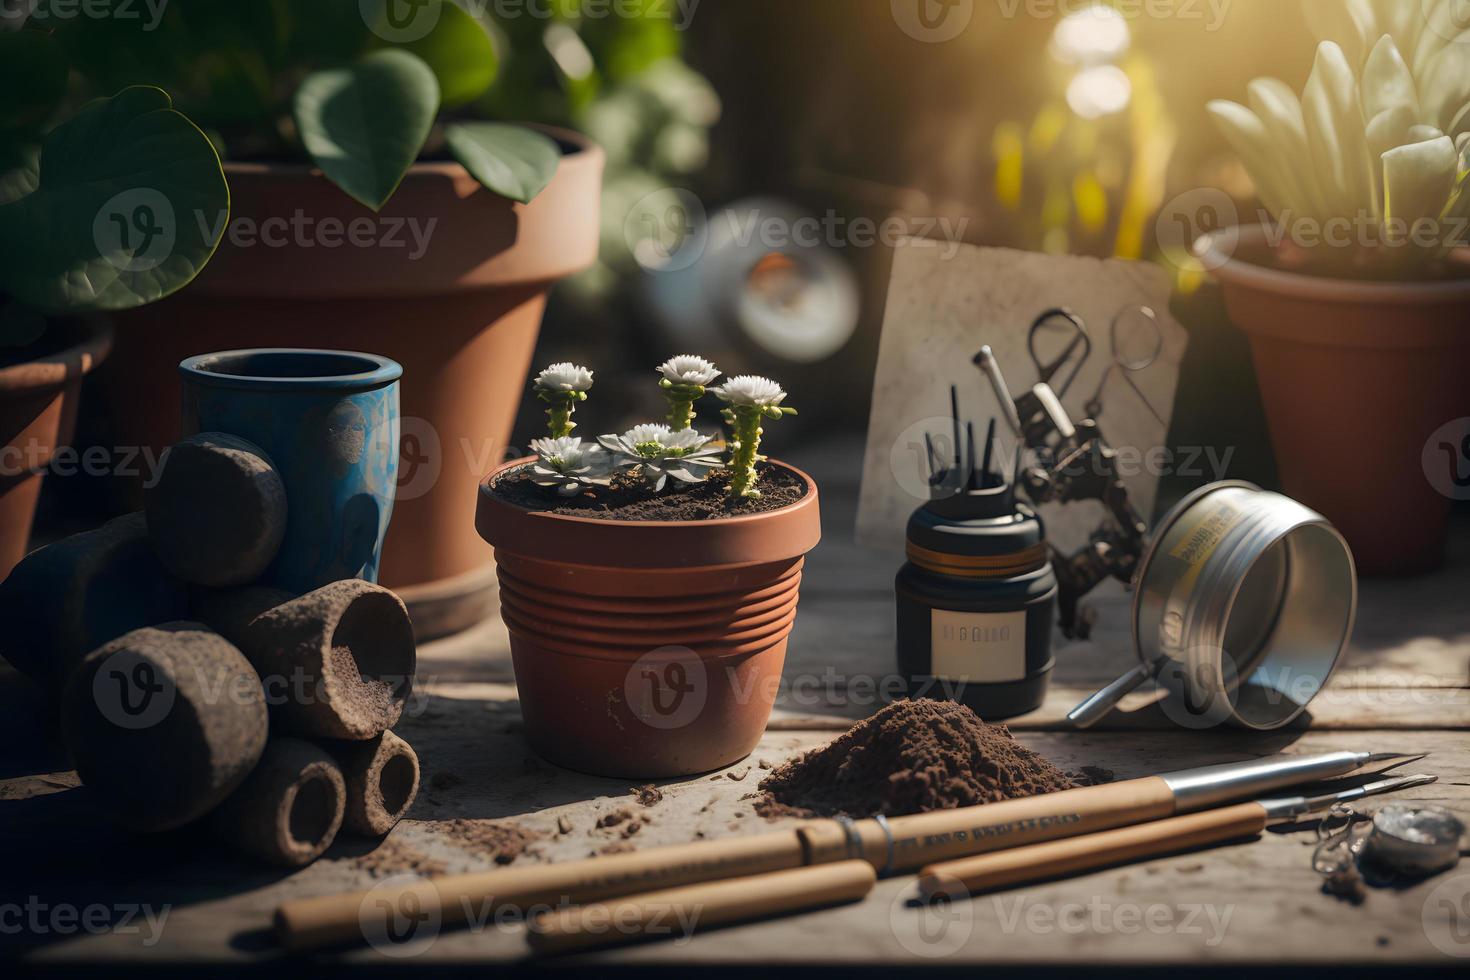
x=38 y=411
x=647 y=649
x=462 y=318
x=1355 y=377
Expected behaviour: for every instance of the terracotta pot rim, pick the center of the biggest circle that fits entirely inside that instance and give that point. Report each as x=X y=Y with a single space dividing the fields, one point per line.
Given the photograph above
x=564 y=520
x=1233 y=270
x=581 y=148
x=92 y=344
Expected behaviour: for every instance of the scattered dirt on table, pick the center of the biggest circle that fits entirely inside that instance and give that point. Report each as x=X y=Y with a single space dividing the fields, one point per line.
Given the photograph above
x=1093 y=776
x=501 y=841
x=765 y=764
x=649 y=795
x=628 y=500
x=737 y=775
x=395 y=856
x=616 y=847
x=615 y=817
x=911 y=757
x=563 y=826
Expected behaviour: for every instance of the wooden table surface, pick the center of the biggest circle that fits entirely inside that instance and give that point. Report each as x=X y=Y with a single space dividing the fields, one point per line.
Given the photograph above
x=1404 y=686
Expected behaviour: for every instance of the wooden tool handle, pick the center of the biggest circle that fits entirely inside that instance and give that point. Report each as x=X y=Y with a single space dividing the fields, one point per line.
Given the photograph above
x=332 y=920
x=1054 y=859
x=925 y=838
x=683 y=911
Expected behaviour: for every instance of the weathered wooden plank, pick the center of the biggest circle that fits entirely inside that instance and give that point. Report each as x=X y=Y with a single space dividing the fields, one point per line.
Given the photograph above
x=220 y=906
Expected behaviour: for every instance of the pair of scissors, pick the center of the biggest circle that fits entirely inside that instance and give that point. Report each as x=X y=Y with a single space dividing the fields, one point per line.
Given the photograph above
x=1076 y=337
x=1134 y=350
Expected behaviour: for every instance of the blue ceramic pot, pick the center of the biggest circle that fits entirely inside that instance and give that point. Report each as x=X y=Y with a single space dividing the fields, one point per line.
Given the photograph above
x=328 y=420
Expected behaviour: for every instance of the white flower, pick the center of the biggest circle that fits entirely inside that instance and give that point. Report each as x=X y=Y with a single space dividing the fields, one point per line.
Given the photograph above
x=565 y=376
x=570 y=467
x=747 y=389
x=661 y=453
x=687 y=369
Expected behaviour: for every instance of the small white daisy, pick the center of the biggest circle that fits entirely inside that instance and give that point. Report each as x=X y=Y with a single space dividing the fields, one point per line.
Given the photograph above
x=661 y=453
x=569 y=467
x=565 y=376
x=687 y=369
x=747 y=389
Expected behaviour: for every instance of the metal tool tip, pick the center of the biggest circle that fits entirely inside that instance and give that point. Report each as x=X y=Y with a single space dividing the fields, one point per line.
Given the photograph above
x=1393 y=759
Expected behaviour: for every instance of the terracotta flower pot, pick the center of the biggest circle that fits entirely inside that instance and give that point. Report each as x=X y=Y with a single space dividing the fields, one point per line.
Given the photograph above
x=647 y=649
x=38 y=410
x=1355 y=377
x=462 y=318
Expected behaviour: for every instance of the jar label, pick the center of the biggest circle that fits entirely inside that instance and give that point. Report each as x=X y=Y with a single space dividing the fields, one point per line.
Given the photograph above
x=986 y=648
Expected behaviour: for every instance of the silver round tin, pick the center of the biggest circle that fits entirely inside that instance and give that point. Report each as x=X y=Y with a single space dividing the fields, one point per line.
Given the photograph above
x=1243 y=604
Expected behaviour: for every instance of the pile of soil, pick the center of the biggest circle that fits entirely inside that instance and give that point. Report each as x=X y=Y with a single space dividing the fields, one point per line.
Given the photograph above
x=501 y=842
x=628 y=498
x=911 y=757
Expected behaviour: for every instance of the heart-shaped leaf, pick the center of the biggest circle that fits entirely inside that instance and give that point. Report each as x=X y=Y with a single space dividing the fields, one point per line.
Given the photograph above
x=512 y=161
x=130 y=204
x=459 y=51
x=365 y=124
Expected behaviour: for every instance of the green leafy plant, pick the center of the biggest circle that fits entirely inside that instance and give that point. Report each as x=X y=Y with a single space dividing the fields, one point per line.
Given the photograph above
x=113 y=127
x=1378 y=141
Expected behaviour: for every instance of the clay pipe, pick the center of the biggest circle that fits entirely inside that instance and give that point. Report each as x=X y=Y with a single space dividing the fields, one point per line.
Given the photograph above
x=289 y=810
x=382 y=778
x=1054 y=859
x=696 y=908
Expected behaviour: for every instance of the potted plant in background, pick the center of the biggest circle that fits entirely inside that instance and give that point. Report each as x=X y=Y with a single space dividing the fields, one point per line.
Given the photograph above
x=370 y=211
x=1357 y=298
x=648 y=583
x=82 y=228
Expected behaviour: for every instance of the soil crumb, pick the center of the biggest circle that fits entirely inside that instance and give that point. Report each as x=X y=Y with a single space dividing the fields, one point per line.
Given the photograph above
x=615 y=817
x=627 y=499
x=616 y=847
x=393 y=856
x=1093 y=776
x=911 y=757
x=649 y=795
x=502 y=842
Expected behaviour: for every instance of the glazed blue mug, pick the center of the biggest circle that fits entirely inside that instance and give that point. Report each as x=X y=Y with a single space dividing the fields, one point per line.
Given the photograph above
x=328 y=421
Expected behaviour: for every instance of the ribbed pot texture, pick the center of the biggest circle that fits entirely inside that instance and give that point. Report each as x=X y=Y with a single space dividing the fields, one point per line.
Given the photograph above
x=647 y=649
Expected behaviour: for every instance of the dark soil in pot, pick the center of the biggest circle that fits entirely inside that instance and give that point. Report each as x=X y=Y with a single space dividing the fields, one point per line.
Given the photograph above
x=628 y=499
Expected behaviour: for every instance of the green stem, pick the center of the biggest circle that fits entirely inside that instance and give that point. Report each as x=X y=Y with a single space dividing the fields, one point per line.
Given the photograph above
x=560 y=422
x=681 y=411
x=746 y=420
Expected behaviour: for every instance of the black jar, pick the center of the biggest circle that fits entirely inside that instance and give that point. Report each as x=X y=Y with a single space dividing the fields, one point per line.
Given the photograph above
x=976 y=602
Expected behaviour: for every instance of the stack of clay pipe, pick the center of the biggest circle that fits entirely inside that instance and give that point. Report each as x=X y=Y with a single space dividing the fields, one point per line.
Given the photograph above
x=187 y=692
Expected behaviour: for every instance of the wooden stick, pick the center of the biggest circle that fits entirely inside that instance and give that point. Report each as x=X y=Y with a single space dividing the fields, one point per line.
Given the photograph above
x=695 y=908
x=916 y=840
x=1059 y=858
